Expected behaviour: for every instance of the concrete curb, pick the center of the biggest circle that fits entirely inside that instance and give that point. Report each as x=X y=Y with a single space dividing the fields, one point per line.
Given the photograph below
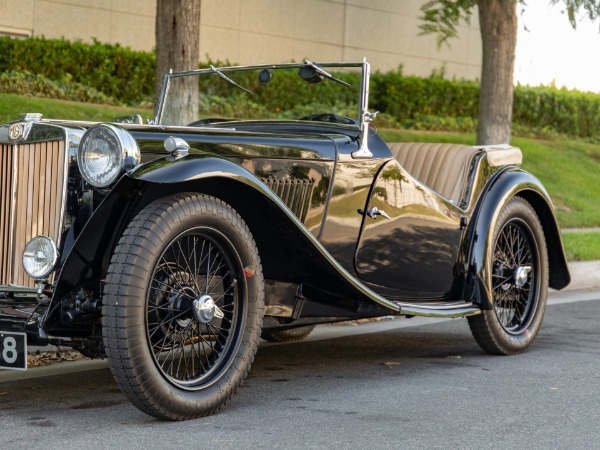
x=59 y=368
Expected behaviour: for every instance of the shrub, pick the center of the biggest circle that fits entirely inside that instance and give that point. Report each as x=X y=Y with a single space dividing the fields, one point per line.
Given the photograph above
x=565 y=111
x=436 y=103
x=407 y=97
x=35 y=85
x=115 y=71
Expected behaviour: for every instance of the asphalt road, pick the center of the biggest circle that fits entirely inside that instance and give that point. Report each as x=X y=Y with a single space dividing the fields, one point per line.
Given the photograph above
x=408 y=383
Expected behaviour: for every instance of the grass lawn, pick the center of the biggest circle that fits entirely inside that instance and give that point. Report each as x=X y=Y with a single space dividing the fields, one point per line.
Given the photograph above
x=582 y=246
x=569 y=169
x=13 y=105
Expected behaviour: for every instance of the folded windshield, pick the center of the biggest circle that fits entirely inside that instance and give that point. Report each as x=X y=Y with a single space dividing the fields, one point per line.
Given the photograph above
x=308 y=91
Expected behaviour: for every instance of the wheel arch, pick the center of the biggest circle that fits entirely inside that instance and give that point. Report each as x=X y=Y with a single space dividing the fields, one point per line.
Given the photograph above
x=268 y=218
x=506 y=185
x=559 y=270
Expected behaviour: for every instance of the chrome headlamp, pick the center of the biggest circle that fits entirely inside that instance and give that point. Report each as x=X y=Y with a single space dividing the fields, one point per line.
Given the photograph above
x=39 y=257
x=105 y=152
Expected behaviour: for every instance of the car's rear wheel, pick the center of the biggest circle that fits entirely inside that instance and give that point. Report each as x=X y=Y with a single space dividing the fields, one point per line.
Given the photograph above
x=294 y=334
x=519 y=282
x=183 y=306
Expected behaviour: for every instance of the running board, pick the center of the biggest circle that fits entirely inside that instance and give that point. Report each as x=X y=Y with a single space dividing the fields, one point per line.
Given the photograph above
x=449 y=311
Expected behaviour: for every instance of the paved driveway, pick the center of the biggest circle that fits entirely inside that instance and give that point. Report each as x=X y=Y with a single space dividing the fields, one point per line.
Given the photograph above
x=409 y=383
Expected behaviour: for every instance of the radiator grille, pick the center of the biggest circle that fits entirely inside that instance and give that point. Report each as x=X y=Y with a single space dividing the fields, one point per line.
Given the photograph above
x=32 y=178
x=295 y=193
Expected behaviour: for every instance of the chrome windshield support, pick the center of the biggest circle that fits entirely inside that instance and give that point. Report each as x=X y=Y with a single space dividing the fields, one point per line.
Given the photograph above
x=365 y=116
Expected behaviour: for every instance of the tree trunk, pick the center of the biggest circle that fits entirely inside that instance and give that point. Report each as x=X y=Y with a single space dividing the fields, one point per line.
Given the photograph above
x=178 y=48
x=498 y=25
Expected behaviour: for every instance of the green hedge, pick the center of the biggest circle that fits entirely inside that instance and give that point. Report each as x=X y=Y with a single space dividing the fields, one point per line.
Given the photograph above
x=408 y=97
x=113 y=70
x=86 y=72
x=26 y=84
x=563 y=111
x=416 y=102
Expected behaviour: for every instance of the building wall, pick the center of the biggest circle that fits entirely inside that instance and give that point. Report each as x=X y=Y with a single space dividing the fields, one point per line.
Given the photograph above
x=263 y=31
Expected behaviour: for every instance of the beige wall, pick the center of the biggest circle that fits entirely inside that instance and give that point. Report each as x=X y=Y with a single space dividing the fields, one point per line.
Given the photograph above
x=263 y=31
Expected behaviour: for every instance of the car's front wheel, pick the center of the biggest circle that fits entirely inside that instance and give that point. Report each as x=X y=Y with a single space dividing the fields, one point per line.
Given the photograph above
x=519 y=282
x=183 y=306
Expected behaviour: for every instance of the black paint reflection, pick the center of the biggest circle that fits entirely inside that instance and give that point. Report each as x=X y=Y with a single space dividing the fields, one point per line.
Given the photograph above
x=352 y=183
x=413 y=253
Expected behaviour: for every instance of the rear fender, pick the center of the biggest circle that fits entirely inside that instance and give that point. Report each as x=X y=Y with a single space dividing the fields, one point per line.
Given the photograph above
x=506 y=185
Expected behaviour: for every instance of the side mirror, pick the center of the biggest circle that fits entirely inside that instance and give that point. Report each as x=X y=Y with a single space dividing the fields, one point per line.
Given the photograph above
x=309 y=74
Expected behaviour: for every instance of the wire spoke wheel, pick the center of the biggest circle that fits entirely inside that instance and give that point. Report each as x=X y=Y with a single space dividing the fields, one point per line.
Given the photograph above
x=183 y=306
x=519 y=282
x=514 y=280
x=193 y=315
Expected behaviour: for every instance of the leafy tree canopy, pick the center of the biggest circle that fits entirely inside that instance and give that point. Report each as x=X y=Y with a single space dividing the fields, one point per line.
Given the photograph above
x=441 y=17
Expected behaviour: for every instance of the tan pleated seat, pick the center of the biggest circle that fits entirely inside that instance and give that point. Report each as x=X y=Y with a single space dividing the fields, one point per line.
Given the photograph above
x=442 y=167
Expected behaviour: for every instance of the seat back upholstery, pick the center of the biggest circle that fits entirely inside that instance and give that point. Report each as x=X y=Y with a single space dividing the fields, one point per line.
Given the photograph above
x=442 y=167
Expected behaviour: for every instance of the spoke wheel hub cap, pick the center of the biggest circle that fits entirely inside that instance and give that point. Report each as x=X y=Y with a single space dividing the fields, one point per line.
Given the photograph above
x=521 y=275
x=204 y=309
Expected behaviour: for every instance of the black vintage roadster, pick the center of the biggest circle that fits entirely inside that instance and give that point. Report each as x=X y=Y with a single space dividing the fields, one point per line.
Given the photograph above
x=171 y=247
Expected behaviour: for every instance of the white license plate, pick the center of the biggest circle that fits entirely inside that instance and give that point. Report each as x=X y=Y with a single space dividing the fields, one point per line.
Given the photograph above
x=13 y=350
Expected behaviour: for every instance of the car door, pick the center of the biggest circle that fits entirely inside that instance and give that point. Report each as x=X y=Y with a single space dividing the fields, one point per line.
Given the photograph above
x=410 y=237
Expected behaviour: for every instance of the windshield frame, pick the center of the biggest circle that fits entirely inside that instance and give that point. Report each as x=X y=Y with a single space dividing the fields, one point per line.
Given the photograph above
x=364 y=88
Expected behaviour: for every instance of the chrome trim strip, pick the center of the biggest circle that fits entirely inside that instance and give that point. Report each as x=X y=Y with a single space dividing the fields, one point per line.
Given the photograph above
x=17 y=289
x=440 y=313
x=261 y=66
x=72 y=139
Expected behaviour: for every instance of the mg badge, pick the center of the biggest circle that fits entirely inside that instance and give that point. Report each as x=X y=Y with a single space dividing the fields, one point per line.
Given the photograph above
x=15 y=131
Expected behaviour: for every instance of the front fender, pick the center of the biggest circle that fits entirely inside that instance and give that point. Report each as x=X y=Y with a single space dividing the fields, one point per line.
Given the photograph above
x=90 y=256
x=506 y=185
x=288 y=251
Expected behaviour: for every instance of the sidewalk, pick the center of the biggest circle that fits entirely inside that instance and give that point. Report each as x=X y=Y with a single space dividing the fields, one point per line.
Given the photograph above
x=584 y=275
x=581 y=230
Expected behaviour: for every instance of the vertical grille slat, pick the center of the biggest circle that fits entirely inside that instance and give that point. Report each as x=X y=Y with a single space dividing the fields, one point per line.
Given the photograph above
x=295 y=193
x=6 y=180
x=29 y=206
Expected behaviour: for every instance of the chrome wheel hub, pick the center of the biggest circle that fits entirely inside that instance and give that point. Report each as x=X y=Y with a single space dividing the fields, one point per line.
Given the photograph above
x=521 y=275
x=205 y=309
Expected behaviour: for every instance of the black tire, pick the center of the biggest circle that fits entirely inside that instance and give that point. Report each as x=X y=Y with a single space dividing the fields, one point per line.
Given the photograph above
x=293 y=334
x=183 y=306
x=519 y=283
